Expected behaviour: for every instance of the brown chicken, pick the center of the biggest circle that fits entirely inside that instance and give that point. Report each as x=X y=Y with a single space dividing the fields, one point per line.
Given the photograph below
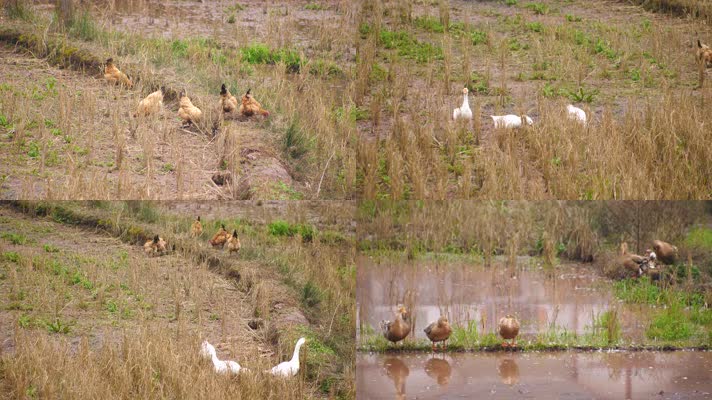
x=233 y=242
x=397 y=330
x=439 y=331
x=197 y=228
x=665 y=252
x=154 y=247
x=228 y=102
x=250 y=106
x=509 y=329
x=189 y=113
x=704 y=59
x=151 y=104
x=220 y=238
x=114 y=76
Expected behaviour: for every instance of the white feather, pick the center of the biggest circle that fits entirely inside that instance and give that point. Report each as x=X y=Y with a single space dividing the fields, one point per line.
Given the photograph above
x=510 y=121
x=207 y=350
x=576 y=114
x=291 y=367
x=464 y=110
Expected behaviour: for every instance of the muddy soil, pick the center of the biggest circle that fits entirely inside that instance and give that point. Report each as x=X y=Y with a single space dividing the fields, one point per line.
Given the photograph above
x=566 y=376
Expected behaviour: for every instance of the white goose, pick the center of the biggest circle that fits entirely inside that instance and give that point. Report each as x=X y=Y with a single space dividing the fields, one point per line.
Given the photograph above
x=510 y=121
x=207 y=350
x=576 y=114
x=464 y=110
x=291 y=367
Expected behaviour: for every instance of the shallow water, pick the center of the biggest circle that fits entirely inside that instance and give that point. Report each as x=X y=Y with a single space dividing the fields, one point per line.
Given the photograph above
x=570 y=298
x=566 y=375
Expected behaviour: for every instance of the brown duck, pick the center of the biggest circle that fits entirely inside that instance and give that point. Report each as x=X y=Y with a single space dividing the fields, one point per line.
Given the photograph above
x=665 y=252
x=439 y=331
x=630 y=262
x=509 y=329
x=397 y=330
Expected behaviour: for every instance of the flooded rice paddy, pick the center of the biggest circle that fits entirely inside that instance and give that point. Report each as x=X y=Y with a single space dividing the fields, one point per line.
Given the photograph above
x=561 y=375
x=571 y=297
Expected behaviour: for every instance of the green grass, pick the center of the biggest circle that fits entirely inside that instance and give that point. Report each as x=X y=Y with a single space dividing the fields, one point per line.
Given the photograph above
x=671 y=325
x=58 y=326
x=311 y=295
x=11 y=256
x=479 y=37
x=14 y=238
x=700 y=238
x=284 y=228
x=429 y=23
x=261 y=54
x=538 y=8
x=407 y=46
x=84 y=27
x=313 y=6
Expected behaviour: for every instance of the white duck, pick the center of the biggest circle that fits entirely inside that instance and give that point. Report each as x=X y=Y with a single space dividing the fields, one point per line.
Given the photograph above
x=510 y=121
x=464 y=110
x=576 y=114
x=291 y=367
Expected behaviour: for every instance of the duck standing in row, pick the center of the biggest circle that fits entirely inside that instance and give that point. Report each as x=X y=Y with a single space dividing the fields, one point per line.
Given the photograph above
x=509 y=329
x=399 y=328
x=439 y=331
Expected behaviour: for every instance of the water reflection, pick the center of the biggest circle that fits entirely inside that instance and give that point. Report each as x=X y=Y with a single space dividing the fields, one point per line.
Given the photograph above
x=570 y=299
x=397 y=371
x=508 y=371
x=562 y=375
x=438 y=369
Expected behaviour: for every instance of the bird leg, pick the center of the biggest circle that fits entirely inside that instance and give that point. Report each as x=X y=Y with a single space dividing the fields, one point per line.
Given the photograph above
x=505 y=344
x=434 y=349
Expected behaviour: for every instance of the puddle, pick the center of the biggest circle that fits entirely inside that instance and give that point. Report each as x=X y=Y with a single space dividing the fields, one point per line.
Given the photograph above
x=571 y=298
x=568 y=375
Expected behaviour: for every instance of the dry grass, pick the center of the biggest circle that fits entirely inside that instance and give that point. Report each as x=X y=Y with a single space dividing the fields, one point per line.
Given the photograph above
x=377 y=124
x=582 y=231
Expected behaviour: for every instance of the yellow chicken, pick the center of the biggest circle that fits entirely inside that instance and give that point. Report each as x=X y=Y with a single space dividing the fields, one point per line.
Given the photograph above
x=250 y=106
x=156 y=246
x=228 y=102
x=151 y=104
x=197 y=228
x=189 y=113
x=233 y=243
x=114 y=76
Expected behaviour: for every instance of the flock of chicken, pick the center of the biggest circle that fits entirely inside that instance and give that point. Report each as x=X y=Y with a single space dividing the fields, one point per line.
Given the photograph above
x=158 y=246
x=440 y=330
x=637 y=266
x=284 y=369
x=187 y=111
x=511 y=121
